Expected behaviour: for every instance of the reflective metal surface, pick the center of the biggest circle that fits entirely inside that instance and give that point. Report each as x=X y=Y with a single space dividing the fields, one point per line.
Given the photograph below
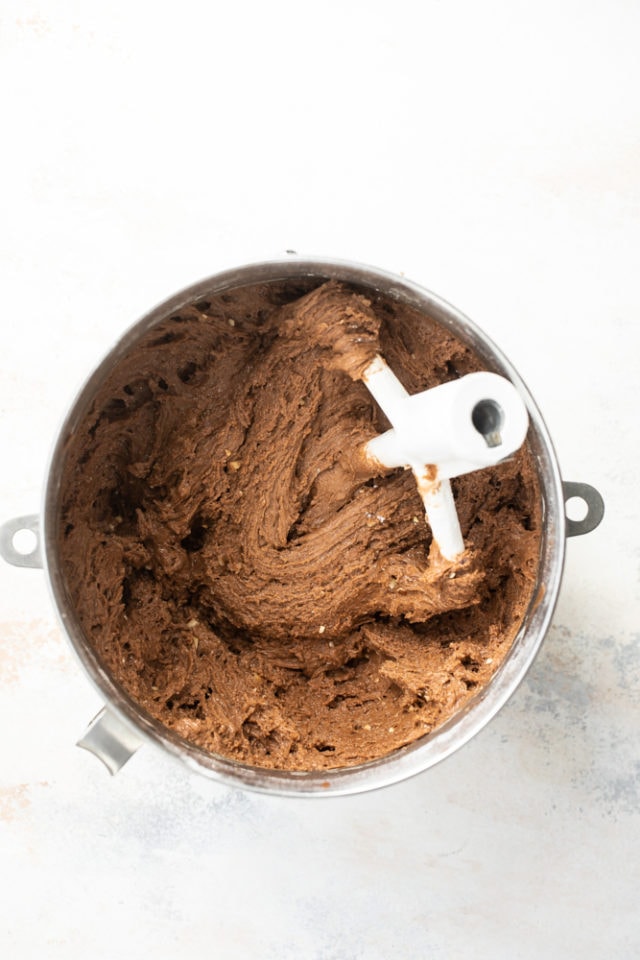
x=427 y=751
x=8 y=550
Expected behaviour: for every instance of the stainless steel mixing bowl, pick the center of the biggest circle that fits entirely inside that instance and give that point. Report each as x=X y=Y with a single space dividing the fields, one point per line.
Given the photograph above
x=122 y=726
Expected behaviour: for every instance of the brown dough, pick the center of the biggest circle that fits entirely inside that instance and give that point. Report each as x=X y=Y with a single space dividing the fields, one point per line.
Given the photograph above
x=239 y=569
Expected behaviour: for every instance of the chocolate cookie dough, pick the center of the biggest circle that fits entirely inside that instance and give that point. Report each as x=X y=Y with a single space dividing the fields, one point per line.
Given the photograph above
x=240 y=569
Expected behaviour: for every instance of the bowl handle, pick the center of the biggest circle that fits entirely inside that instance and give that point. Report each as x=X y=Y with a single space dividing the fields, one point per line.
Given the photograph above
x=30 y=558
x=110 y=740
x=595 y=507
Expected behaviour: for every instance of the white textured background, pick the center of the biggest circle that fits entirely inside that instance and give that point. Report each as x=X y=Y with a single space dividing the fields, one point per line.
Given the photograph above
x=491 y=151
